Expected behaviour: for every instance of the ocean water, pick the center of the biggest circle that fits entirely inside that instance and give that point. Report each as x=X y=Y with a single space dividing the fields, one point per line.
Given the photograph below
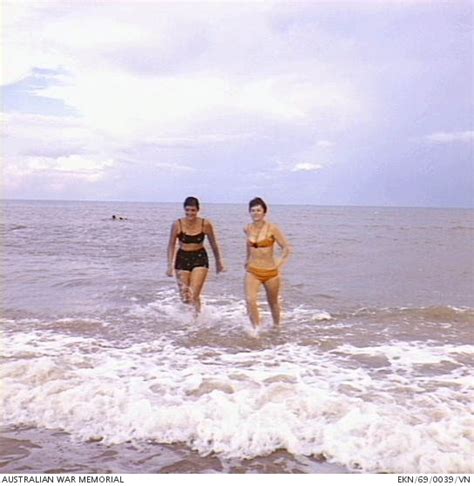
x=104 y=370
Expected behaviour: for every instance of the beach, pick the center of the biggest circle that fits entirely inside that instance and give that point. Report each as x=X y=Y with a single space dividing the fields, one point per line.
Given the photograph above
x=104 y=370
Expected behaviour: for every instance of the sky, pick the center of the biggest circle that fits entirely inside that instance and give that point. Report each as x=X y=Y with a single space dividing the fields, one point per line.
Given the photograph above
x=315 y=102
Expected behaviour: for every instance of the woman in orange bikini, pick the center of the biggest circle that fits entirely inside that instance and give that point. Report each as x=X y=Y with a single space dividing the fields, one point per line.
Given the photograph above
x=261 y=266
x=190 y=261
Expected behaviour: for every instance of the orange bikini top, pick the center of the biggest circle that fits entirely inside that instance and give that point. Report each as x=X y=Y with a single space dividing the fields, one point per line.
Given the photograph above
x=262 y=243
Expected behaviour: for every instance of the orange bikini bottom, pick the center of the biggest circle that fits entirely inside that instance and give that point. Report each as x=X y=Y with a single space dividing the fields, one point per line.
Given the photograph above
x=263 y=274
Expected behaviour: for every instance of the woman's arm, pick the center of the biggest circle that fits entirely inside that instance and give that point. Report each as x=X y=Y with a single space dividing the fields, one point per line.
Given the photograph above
x=280 y=238
x=247 y=247
x=209 y=230
x=172 y=248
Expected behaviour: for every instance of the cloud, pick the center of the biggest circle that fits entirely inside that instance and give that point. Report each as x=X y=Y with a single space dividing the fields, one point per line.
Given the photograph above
x=173 y=167
x=151 y=79
x=450 y=137
x=162 y=69
x=137 y=108
x=304 y=160
x=197 y=139
x=306 y=167
x=29 y=134
x=158 y=87
x=66 y=177
x=72 y=166
x=324 y=143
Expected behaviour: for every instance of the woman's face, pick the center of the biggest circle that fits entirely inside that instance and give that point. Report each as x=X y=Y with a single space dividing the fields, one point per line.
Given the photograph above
x=257 y=213
x=190 y=211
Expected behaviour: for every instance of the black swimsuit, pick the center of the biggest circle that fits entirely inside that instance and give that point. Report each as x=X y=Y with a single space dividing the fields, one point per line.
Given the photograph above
x=187 y=260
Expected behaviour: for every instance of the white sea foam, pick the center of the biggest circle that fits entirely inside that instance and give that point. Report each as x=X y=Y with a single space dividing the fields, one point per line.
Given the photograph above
x=167 y=307
x=244 y=404
x=403 y=355
x=303 y=313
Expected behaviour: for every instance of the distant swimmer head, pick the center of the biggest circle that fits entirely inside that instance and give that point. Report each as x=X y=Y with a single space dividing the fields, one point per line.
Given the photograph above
x=191 y=206
x=113 y=216
x=257 y=208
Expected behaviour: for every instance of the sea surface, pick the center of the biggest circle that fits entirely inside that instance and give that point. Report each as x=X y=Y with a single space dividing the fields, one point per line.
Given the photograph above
x=104 y=370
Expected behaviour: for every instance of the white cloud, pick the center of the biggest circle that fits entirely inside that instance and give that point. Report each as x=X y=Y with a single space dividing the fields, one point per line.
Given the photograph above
x=73 y=164
x=150 y=80
x=306 y=167
x=134 y=107
x=173 y=167
x=69 y=167
x=47 y=177
x=25 y=133
x=324 y=143
x=160 y=69
x=450 y=137
x=148 y=76
x=54 y=138
x=310 y=159
x=196 y=139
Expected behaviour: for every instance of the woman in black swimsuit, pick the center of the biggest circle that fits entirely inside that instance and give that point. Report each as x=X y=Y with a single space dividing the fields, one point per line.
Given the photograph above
x=191 y=262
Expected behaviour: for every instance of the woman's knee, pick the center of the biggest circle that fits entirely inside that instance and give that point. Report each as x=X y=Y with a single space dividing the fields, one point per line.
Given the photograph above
x=186 y=298
x=275 y=309
x=251 y=301
x=185 y=293
x=274 y=302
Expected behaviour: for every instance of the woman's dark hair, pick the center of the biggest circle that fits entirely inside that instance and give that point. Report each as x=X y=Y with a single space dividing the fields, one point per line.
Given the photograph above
x=191 y=201
x=258 y=201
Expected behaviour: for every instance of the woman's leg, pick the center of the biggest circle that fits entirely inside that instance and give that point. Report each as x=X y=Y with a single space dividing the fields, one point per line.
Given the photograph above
x=198 y=277
x=183 y=279
x=272 y=288
x=252 y=286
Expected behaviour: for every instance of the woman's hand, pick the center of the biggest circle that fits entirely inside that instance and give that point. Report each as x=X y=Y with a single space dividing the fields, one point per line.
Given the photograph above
x=169 y=271
x=220 y=267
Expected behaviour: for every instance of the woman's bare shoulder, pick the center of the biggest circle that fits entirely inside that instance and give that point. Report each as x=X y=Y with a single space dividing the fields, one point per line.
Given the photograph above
x=174 y=227
x=272 y=226
x=274 y=229
x=207 y=224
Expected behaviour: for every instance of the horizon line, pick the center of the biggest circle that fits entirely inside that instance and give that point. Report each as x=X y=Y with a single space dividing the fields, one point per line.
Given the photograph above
x=236 y=203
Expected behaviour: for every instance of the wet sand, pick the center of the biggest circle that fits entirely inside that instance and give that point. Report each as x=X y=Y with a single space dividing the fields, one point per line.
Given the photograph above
x=30 y=450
